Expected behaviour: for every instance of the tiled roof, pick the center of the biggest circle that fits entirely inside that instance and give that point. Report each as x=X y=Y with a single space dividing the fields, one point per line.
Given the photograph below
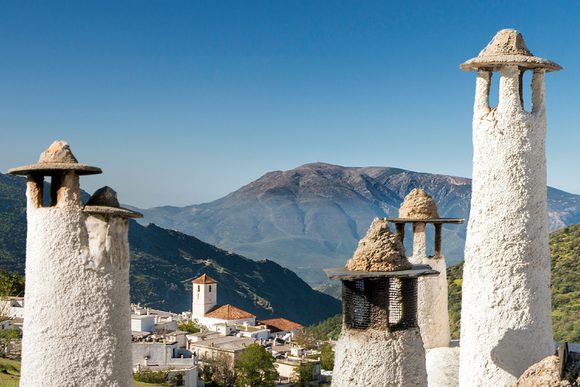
x=282 y=324
x=204 y=279
x=228 y=312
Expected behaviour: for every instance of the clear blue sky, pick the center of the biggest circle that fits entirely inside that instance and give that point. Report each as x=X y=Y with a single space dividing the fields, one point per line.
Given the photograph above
x=182 y=102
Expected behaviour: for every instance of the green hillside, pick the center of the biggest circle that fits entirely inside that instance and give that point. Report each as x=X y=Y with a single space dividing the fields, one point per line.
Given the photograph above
x=565 y=252
x=12 y=221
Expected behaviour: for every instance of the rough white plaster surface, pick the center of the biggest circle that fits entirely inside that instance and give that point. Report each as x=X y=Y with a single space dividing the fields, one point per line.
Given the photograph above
x=432 y=309
x=109 y=251
x=443 y=367
x=505 y=317
x=77 y=323
x=379 y=359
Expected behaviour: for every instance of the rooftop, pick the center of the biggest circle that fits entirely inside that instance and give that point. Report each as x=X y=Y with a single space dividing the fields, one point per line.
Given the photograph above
x=282 y=324
x=228 y=312
x=225 y=343
x=204 y=279
x=140 y=334
x=249 y=328
x=141 y=316
x=205 y=335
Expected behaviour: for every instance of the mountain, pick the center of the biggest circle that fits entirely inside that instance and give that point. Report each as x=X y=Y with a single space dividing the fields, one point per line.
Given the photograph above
x=164 y=262
x=565 y=254
x=313 y=216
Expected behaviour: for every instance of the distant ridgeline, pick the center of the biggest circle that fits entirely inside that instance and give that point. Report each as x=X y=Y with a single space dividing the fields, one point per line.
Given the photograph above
x=164 y=262
x=313 y=216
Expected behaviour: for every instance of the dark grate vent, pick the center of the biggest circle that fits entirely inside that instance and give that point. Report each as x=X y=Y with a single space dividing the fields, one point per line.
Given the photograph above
x=380 y=303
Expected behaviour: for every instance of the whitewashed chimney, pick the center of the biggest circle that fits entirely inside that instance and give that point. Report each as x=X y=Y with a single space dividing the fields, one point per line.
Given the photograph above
x=76 y=318
x=419 y=209
x=380 y=343
x=506 y=310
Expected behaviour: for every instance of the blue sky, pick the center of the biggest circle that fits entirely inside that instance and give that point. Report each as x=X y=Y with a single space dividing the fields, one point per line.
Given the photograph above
x=182 y=102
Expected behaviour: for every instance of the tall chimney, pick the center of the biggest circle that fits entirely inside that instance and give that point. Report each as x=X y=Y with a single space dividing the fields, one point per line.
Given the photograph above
x=76 y=314
x=506 y=310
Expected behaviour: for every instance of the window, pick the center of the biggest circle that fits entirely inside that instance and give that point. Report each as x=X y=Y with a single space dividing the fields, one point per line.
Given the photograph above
x=210 y=288
x=198 y=287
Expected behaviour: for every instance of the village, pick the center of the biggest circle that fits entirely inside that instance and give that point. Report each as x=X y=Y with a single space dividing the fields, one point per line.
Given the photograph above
x=192 y=347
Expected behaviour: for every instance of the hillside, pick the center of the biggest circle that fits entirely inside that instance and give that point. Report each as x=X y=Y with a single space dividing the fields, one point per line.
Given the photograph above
x=565 y=253
x=313 y=216
x=164 y=262
x=12 y=222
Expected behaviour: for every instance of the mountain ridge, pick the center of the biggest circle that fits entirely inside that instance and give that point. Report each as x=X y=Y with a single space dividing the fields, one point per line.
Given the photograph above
x=313 y=216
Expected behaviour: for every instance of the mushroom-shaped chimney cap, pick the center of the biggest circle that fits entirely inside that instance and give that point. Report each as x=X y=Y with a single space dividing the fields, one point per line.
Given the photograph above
x=418 y=204
x=508 y=47
x=57 y=158
x=379 y=250
x=104 y=201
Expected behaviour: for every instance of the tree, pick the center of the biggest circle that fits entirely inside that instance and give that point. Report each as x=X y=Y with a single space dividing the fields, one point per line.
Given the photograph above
x=188 y=326
x=145 y=375
x=255 y=368
x=312 y=336
x=7 y=339
x=207 y=375
x=327 y=357
x=11 y=284
x=304 y=373
x=218 y=371
x=306 y=339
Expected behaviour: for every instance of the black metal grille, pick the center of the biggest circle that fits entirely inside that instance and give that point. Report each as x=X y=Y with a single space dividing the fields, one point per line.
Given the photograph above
x=380 y=303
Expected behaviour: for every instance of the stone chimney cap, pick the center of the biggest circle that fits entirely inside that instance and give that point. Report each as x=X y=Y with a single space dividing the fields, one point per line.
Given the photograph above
x=508 y=47
x=57 y=158
x=340 y=273
x=379 y=250
x=418 y=204
x=104 y=201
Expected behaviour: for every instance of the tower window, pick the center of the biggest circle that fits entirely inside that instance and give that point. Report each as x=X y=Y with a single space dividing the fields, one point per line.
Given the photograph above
x=210 y=288
x=198 y=287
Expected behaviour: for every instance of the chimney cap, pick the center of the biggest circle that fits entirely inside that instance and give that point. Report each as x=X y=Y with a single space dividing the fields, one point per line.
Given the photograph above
x=104 y=201
x=341 y=273
x=508 y=47
x=418 y=204
x=379 y=250
x=57 y=158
